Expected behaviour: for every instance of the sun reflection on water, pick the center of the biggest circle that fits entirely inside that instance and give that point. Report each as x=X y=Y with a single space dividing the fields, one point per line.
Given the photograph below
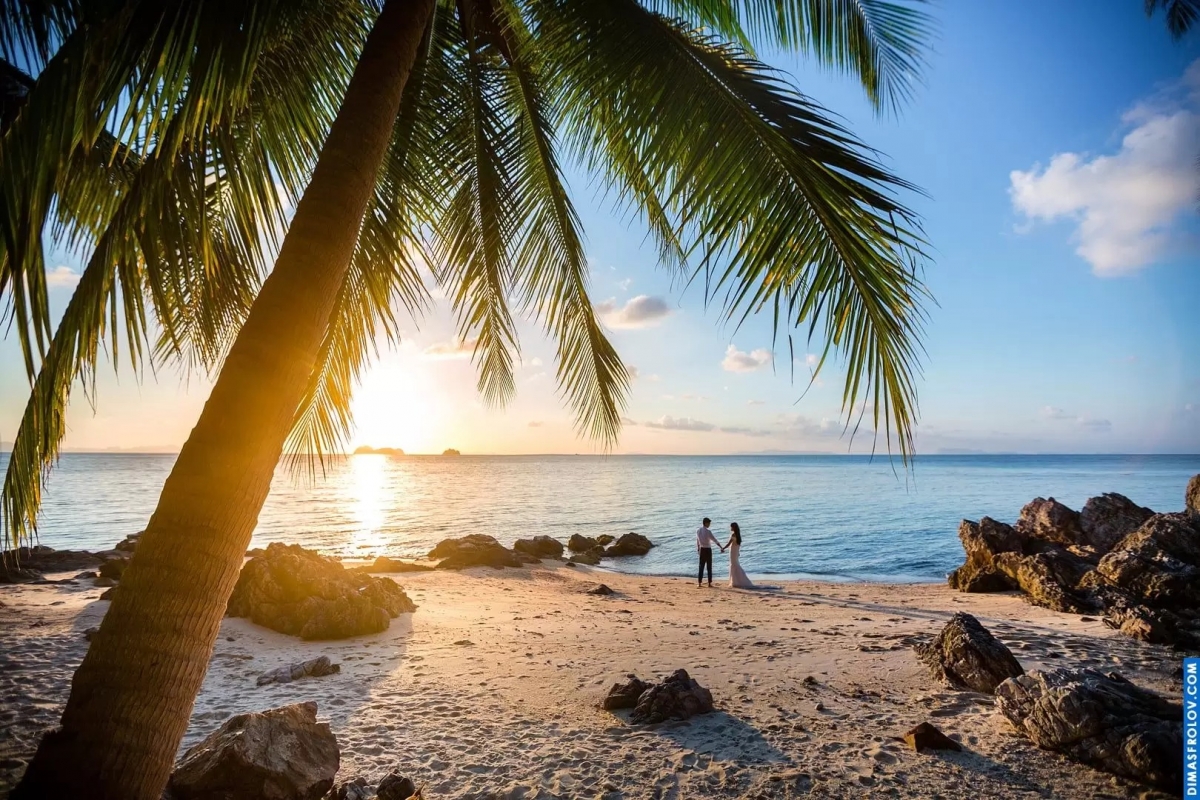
x=369 y=481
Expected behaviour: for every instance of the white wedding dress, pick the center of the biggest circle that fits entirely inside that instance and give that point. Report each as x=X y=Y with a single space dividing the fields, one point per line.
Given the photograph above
x=737 y=576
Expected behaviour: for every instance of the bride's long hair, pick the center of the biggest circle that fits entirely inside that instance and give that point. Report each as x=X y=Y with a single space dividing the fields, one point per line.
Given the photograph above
x=737 y=532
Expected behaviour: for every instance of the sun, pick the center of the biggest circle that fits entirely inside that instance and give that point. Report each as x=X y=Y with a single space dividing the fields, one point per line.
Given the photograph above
x=398 y=407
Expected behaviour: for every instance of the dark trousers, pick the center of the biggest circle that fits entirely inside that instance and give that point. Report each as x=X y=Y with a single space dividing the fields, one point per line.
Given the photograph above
x=705 y=561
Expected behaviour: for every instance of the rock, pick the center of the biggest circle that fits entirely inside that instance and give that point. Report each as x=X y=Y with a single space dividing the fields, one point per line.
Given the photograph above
x=927 y=737
x=113 y=568
x=313 y=668
x=581 y=544
x=90 y=632
x=280 y=754
x=104 y=581
x=630 y=544
x=966 y=655
x=1048 y=578
x=87 y=575
x=1101 y=720
x=476 y=550
x=302 y=593
x=604 y=540
x=1155 y=625
x=983 y=541
x=129 y=543
x=540 y=547
x=108 y=594
x=1191 y=497
x=589 y=557
x=26 y=564
x=1109 y=518
x=624 y=695
x=357 y=789
x=1159 y=563
x=1049 y=521
x=395 y=786
x=600 y=589
x=676 y=697
x=386 y=564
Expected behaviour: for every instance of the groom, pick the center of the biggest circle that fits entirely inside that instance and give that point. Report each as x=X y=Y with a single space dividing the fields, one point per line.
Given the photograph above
x=704 y=542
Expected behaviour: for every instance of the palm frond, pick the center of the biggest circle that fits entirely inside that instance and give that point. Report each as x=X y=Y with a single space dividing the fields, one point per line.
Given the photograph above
x=1180 y=15
x=551 y=263
x=780 y=201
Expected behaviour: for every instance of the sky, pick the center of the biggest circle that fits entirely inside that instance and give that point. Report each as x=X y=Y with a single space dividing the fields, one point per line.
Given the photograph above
x=1057 y=145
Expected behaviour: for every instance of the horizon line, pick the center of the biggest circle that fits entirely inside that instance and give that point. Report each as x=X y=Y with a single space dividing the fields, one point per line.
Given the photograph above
x=881 y=456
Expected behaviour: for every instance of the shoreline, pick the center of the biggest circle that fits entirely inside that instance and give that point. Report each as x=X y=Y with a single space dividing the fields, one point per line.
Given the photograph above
x=491 y=688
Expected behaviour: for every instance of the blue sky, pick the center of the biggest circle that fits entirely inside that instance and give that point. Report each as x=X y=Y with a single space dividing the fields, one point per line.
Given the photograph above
x=1057 y=144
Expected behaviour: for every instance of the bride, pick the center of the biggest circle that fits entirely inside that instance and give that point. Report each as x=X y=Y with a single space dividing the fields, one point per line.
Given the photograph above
x=737 y=576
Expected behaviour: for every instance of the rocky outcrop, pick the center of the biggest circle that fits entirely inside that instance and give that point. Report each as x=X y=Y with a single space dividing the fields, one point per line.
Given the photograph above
x=1101 y=720
x=1109 y=518
x=281 y=754
x=540 y=547
x=302 y=593
x=313 y=668
x=590 y=557
x=630 y=544
x=676 y=697
x=25 y=564
x=581 y=544
x=604 y=540
x=601 y=589
x=1191 y=497
x=386 y=564
x=967 y=656
x=1138 y=568
x=477 y=550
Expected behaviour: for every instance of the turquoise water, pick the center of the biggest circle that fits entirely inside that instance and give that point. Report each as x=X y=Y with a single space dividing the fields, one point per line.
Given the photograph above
x=831 y=517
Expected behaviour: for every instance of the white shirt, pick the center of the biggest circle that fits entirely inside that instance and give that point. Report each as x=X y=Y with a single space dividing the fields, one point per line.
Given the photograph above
x=704 y=538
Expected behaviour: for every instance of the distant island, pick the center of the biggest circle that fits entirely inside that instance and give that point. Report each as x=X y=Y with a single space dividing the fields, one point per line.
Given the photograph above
x=378 y=451
x=450 y=451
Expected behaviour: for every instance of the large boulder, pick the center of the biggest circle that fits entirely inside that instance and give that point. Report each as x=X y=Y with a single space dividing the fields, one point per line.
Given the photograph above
x=966 y=655
x=302 y=593
x=581 y=544
x=281 y=754
x=476 y=550
x=1109 y=518
x=540 y=547
x=982 y=541
x=395 y=786
x=1191 y=497
x=1159 y=563
x=676 y=697
x=1050 y=521
x=1048 y=579
x=1101 y=720
x=630 y=544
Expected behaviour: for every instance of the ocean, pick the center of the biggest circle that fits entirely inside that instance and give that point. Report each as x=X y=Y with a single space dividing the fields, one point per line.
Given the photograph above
x=825 y=517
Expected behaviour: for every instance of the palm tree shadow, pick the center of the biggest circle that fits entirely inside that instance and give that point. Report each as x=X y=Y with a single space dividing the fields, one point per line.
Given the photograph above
x=719 y=735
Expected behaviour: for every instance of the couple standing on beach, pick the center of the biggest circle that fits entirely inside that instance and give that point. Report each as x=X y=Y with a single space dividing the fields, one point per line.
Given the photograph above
x=704 y=542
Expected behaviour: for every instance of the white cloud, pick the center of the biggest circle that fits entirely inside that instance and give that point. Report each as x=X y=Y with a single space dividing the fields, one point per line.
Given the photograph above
x=756 y=402
x=740 y=361
x=680 y=424
x=456 y=348
x=642 y=311
x=1091 y=423
x=61 y=277
x=625 y=284
x=1124 y=204
x=537 y=362
x=811 y=360
x=633 y=372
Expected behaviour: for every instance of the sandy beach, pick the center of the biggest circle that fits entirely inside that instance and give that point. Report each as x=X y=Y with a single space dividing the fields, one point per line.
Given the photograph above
x=491 y=688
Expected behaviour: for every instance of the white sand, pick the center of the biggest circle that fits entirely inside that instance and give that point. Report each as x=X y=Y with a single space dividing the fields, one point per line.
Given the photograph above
x=491 y=688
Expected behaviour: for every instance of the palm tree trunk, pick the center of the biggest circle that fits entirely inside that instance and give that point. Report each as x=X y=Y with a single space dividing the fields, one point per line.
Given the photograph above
x=132 y=696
